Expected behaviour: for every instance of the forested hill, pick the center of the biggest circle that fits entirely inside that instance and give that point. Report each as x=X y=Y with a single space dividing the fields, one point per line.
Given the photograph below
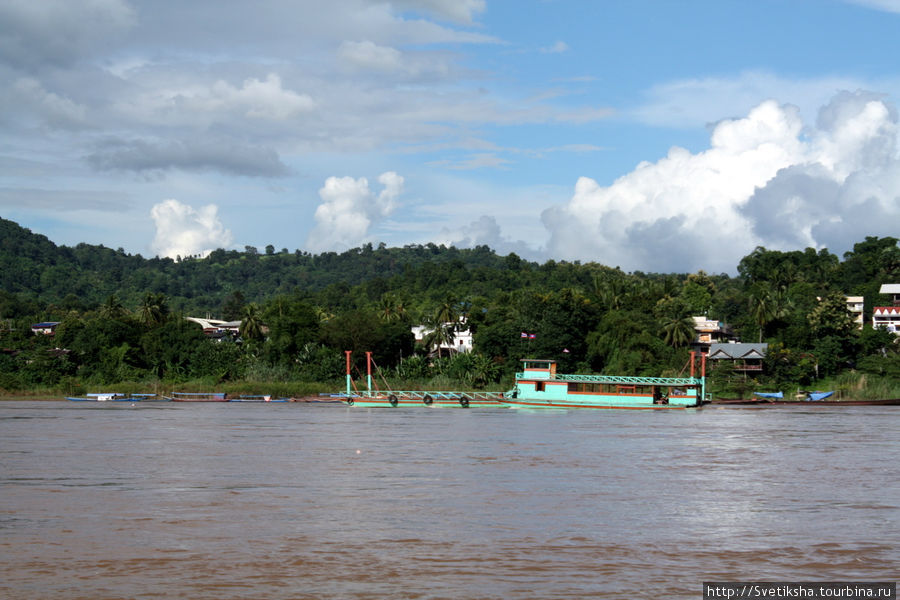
x=42 y=274
x=34 y=267
x=121 y=314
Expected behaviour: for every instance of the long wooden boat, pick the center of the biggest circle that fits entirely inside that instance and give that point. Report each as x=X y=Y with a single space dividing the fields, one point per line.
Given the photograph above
x=197 y=397
x=778 y=398
x=259 y=398
x=540 y=386
x=104 y=397
x=801 y=402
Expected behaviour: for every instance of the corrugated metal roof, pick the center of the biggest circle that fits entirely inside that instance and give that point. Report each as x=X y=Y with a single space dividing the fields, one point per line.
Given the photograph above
x=739 y=350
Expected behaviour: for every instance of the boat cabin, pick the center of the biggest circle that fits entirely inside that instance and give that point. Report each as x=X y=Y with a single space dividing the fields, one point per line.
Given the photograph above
x=540 y=385
x=535 y=368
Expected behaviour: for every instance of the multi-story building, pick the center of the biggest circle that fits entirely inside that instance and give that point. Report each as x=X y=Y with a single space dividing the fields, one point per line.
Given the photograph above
x=709 y=331
x=888 y=316
x=855 y=308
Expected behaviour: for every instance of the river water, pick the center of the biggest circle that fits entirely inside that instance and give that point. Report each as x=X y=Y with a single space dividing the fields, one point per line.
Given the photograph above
x=162 y=500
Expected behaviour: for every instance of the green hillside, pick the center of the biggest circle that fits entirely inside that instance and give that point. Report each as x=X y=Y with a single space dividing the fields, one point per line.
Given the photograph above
x=120 y=314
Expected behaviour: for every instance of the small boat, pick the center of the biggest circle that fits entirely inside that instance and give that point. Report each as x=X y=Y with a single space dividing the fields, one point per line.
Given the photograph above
x=770 y=395
x=103 y=397
x=197 y=397
x=816 y=399
x=540 y=386
x=264 y=398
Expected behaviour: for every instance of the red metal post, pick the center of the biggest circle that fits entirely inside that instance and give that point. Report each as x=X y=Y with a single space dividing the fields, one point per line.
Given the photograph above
x=369 y=371
x=348 y=353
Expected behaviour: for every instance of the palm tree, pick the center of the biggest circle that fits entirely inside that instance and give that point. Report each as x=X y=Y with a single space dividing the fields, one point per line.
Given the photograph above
x=482 y=370
x=251 y=327
x=762 y=306
x=112 y=308
x=448 y=312
x=392 y=308
x=678 y=331
x=440 y=333
x=154 y=309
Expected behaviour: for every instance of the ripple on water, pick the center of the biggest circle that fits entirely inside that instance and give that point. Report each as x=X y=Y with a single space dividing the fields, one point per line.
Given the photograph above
x=322 y=501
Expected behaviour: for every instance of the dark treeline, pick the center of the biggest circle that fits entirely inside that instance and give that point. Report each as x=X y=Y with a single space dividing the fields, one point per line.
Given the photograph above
x=121 y=316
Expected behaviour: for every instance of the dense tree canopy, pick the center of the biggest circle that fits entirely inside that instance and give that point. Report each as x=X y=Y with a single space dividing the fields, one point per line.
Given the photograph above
x=122 y=315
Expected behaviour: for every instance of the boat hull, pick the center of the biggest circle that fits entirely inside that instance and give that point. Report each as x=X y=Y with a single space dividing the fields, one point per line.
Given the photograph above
x=104 y=397
x=197 y=397
x=424 y=399
x=119 y=399
x=612 y=403
x=756 y=402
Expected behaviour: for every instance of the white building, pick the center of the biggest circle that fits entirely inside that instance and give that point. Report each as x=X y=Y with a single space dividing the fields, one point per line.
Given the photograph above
x=710 y=331
x=216 y=328
x=888 y=316
x=462 y=340
x=855 y=308
x=892 y=289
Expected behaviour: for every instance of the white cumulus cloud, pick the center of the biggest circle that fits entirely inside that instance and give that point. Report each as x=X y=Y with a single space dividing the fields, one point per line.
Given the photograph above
x=349 y=208
x=200 y=104
x=766 y=179
x=369 y=55
x=182 y=230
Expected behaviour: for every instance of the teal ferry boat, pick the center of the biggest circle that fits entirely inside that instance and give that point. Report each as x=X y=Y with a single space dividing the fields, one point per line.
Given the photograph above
x=374 y=398
x=540 y=386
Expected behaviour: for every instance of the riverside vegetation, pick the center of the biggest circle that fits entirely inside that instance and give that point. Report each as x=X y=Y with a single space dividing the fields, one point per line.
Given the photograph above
x=122 y=320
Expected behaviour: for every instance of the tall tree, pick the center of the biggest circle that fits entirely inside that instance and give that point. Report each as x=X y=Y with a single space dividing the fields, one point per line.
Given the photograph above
x=251 y=328
x=112 y=308
x=440 y=333
x=154 y=309
x=678 y=331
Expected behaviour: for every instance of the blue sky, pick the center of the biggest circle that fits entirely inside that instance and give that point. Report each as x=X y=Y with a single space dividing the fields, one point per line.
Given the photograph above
x=651 y=135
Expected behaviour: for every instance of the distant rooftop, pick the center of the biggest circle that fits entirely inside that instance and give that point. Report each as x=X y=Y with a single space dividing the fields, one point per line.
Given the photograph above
x=737 y=350
x=890 y=288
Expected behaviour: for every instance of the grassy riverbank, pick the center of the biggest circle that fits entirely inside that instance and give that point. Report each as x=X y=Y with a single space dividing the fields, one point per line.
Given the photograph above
x=848 y=386
x=242 y=388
